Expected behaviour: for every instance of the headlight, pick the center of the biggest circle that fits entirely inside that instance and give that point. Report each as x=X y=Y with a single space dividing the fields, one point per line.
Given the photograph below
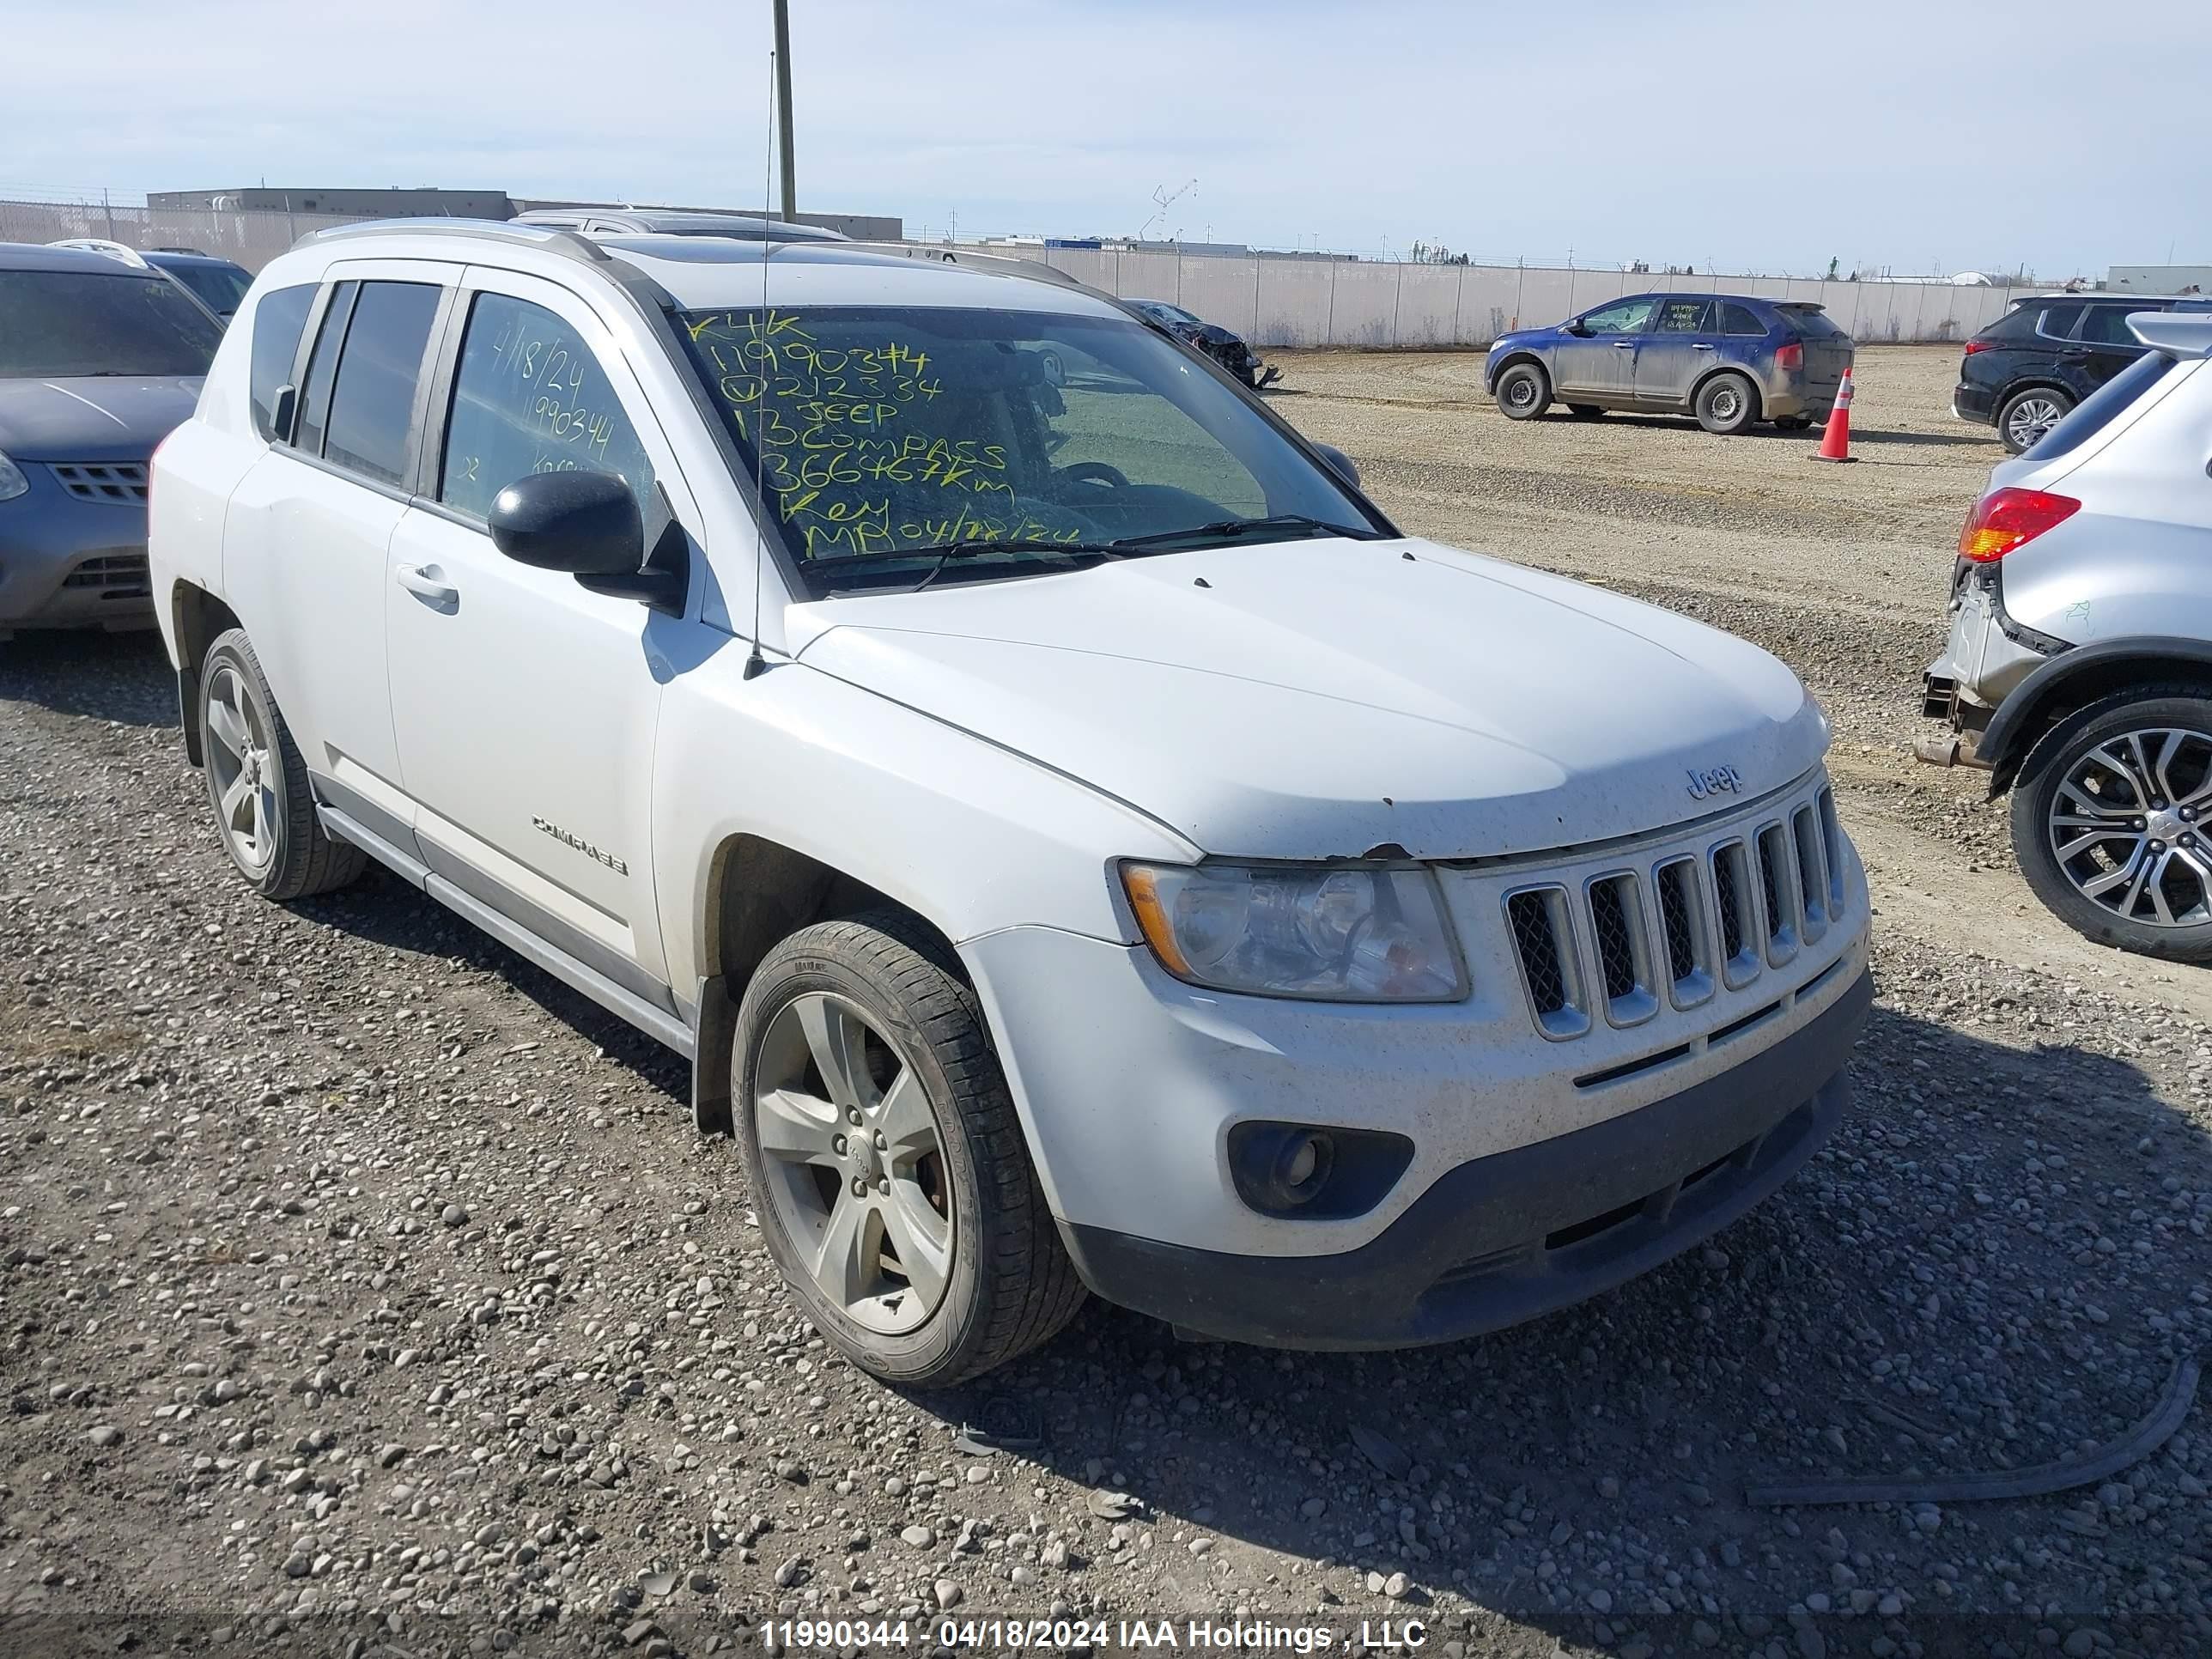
x=12 y=480
x=1350 y=933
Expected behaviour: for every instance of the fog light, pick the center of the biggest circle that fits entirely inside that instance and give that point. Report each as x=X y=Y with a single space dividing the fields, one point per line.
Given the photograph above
x=1305 y=1169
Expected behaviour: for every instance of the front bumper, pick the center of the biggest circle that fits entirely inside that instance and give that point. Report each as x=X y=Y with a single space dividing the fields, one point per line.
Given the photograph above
x=1502 y=1239
x=67 y=562
x=1134 y=1087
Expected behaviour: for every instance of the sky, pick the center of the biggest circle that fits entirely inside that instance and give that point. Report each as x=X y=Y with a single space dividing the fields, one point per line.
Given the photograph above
x=1721 y=134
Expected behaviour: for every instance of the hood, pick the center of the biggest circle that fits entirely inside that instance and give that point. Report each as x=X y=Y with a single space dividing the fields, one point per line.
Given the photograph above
x=96 y=417
x=1213 y=334
x=1324 y=698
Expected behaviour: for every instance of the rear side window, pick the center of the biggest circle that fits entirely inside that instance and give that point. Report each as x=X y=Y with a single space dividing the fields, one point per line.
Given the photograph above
x=1684 y=316
x=1811 y=323
x=2108 y=324
x=2057 y=322
x=2016 y=325
x=1740 y=319
x=2101 y=407
x=530 y=397
x=373 y=401
x=277 y=322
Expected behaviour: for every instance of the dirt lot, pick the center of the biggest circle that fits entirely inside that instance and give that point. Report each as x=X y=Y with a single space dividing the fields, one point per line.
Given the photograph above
x=363 y=1290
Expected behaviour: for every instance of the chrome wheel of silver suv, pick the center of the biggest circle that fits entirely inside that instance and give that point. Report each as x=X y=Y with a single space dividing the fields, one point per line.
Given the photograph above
x=2125 y=826
x=2109 y=819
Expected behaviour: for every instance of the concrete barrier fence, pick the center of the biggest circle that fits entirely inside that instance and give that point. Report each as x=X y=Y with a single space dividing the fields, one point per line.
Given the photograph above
x=1338 y=302
x=1270 y=301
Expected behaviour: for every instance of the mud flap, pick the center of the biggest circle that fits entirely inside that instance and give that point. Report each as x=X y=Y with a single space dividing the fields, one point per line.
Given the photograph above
x=714 y=1028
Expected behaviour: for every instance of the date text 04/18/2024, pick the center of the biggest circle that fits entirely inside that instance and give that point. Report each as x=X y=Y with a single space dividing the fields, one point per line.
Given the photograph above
x=1092 y=1635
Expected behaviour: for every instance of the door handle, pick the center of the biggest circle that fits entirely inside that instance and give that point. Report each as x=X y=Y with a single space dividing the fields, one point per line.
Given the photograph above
x=1624 y=345
x=1698 y=345
x=426 y=581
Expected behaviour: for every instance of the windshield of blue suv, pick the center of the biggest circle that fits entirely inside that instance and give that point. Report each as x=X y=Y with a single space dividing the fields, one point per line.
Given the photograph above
x=901 y=446
x=58 y=323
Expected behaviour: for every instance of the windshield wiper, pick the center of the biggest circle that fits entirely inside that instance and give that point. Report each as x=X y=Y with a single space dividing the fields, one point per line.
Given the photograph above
x=1238 y=529
x=971 y=547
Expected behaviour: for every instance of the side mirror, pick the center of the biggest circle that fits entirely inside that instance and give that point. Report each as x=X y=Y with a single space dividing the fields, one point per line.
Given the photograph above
x=1575 y=327
x=585 y=523
x=283 y=408
x=1338 y=463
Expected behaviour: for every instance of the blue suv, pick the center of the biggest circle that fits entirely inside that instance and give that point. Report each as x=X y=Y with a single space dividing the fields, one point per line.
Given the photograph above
x=1729 y=359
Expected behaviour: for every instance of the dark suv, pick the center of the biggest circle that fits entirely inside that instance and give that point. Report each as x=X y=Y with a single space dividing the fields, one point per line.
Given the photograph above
x=1729 y=359
x=2023 y=373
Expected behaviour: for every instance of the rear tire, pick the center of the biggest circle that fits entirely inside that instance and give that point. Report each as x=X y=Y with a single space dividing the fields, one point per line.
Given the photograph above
x=2082 y=792
x=257 y=784
x=1585 y=411
x=1726 y=405
x=1524 y=392
x=2028 y=415
x=981 y=1277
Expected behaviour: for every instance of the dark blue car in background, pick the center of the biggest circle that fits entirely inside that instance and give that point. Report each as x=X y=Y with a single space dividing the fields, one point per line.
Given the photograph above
x=1729 y=359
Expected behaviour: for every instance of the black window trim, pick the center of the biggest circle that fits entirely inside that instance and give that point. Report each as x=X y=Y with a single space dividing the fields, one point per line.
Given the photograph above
x=335 y=294
x=2073 y=332
x=311 y=333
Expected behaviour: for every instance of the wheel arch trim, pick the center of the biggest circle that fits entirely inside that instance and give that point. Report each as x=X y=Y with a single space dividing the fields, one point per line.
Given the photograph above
x=2076 y=675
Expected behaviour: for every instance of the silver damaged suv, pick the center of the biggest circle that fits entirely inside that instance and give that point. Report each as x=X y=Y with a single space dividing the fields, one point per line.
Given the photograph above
x=2079 y=665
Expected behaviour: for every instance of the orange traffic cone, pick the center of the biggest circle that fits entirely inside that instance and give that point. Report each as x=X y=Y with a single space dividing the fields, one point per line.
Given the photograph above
x=1835 y=436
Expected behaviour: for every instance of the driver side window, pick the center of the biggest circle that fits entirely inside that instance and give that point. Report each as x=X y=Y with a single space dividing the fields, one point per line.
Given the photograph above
x=530 y=397
x=1629 y=317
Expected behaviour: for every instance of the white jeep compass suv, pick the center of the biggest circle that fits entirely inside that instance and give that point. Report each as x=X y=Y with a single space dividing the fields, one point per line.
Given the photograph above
x=1076 y=839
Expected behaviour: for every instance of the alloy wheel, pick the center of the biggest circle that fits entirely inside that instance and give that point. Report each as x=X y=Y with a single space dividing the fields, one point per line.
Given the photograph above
x=243 y=760
x=853 y=1163
x=2031 y=421
x=2127 y=826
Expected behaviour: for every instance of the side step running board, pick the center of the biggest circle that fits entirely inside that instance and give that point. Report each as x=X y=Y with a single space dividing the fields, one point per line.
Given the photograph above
x=655 y=1023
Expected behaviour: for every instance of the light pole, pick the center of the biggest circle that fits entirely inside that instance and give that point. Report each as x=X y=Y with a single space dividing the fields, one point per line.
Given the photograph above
x=783 y=107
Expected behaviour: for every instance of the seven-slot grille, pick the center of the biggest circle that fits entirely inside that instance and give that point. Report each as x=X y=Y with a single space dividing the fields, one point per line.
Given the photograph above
x=103 y=481
x=1624 y=942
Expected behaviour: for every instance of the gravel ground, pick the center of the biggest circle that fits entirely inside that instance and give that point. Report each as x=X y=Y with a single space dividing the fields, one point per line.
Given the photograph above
x=365 y=1291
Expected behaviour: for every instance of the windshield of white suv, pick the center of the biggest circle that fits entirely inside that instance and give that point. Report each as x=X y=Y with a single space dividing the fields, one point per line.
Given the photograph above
x=56 y=324
x=892 y=442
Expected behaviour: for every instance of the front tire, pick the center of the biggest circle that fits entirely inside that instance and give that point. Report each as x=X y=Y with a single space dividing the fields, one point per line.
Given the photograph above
x=2108 y=821
x=257 y=782
x=889 y=1169
x=2028 y=415
x=1726 y=405
x=1524 y=392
